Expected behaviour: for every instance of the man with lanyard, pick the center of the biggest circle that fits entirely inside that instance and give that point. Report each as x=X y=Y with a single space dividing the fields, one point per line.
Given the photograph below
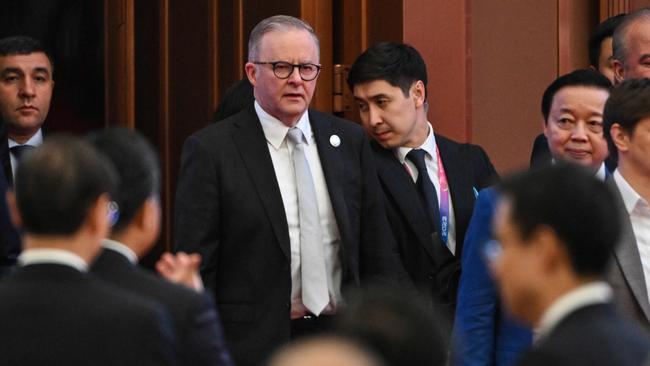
x=429 y=181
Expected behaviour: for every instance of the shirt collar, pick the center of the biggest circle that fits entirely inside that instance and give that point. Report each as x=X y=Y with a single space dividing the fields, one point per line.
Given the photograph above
x=429 y=145
x=601 y=174
x=629 y=195
x=275 y=131
x=593 y=293
x=36 y=140
x=120 y=248
x=55 y=256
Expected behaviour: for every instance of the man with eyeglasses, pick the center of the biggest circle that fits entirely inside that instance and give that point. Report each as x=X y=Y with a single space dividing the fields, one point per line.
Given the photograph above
x=282 y=202
x=572 y=108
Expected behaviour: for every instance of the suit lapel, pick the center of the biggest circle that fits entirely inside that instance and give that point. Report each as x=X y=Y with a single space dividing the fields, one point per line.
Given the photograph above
x=460 y=187
x=399 y=185
x=628 y=257
x=250 y=141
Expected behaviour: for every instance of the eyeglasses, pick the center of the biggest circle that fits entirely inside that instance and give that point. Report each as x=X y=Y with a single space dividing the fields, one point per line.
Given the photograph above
x=282 y=69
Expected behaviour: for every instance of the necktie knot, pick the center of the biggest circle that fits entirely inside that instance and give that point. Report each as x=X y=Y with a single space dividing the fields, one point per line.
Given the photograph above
x=295 y=136
x=20 y=150
x=417 y=157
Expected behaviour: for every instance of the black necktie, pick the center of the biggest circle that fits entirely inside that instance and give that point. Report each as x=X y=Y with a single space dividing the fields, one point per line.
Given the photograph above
x=19 y=150
x=426 y=187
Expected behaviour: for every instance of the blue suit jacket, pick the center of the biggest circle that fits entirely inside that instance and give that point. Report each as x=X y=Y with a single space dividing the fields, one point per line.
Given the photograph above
x=483 y=333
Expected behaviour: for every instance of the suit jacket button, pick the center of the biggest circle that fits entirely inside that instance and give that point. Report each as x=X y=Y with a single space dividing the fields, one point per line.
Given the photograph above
x=430 y=276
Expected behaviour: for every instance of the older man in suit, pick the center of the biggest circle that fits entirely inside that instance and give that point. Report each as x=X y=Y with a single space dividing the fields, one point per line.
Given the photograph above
x=550 y=261
x=196 y=322
x=430 y=182
x=627 y=119
x=52 y=311
x=282 y=202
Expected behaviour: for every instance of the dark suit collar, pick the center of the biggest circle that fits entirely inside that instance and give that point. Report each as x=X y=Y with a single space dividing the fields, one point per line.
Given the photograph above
x=399 y=185
x=249 y=138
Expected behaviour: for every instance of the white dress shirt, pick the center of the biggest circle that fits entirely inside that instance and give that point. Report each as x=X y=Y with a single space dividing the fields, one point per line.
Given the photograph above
x=431 y=161
x=585 y=295
x=120 y=248
x=55 y=256
x=36 y=140
x=275 y=132
x=639 y=212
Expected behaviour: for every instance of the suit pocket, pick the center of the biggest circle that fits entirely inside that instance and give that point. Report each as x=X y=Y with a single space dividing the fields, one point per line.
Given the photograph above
x=236 y=313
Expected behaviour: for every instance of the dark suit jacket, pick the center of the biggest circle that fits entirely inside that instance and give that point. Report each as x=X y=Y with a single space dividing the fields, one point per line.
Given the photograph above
x=626 y=271
x=196 y=322
x=229 y=208
x=592 y=335
x=55 y=315
x=484 y=334
x=430 y=265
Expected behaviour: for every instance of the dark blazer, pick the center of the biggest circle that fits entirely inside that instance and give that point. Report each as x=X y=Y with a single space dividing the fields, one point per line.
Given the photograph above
x=229 y=209
x=626 y=271
x=484 y=334
x=430 y=265
x=592 y=335
x=195 y=320
x=55 y=315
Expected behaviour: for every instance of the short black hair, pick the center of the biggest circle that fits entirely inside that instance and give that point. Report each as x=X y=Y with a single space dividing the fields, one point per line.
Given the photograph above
x=602 y=31
x=576 y=205
x=234 y=99
x=628 y=104
x=396 y=63
x=57 y=184
x=582 y=77
x=23 y=45
x=137 y=166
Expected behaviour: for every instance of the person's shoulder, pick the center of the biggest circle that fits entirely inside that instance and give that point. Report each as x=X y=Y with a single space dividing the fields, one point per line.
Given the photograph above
x=462 y=147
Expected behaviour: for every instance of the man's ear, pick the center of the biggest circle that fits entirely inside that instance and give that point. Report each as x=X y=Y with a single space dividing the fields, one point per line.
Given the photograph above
x=251 y=73
x=620 y=137
x=97 y=222
x=418 y=93
x=619 y=71
x=14 y=212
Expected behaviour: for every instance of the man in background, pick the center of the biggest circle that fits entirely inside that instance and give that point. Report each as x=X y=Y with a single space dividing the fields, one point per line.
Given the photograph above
x=601 y=59
x=26 y=84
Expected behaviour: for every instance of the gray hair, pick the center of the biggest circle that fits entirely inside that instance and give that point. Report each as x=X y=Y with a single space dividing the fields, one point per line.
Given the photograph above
x=621 y=37
x=279 y=23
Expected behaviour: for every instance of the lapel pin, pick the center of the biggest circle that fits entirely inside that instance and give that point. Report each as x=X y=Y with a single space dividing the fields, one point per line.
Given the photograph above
x=335 y=140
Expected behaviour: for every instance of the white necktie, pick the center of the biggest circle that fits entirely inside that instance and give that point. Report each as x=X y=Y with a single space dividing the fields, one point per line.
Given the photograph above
x=315 y=295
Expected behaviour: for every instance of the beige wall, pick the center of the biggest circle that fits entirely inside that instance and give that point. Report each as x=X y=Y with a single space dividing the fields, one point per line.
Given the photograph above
x=514 y=57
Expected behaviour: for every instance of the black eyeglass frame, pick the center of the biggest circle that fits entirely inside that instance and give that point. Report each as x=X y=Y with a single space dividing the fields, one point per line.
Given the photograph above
x=293 y=67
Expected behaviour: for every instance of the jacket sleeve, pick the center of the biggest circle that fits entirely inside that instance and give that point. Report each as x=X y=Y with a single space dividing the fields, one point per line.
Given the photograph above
x=476 y=312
